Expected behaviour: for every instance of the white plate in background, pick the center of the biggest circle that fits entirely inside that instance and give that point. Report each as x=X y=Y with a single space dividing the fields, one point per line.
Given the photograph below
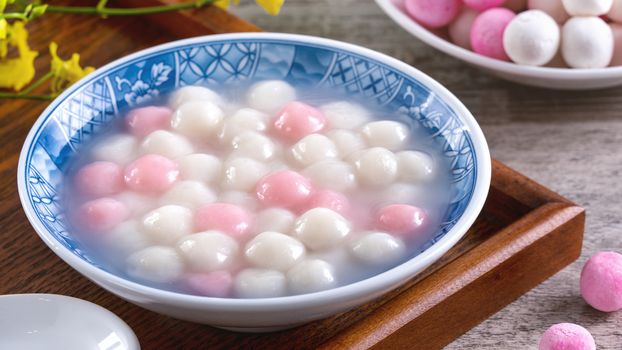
x=50 y=321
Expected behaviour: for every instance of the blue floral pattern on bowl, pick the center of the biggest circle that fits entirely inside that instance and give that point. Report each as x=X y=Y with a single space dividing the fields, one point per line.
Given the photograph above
x=95 y=101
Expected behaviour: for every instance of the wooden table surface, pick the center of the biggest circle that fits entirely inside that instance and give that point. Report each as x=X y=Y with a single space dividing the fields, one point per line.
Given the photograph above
x=568 y=141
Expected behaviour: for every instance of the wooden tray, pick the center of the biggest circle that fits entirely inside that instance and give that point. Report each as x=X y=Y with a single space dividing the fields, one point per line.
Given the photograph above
x=525 y=234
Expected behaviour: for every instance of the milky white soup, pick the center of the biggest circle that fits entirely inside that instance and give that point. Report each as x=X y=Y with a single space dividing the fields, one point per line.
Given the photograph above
x=256 y=191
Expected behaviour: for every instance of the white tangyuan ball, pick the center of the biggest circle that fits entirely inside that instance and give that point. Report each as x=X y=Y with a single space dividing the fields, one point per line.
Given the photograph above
x=312 y=275
x=271 y=95
x=389 y=134
x=189 y=194
x=156 y=264
x=259 y=283
x=377 y=248
x=208 y=251
x=251 y=144
x=167 y=224
x=404 y=193
x=587 y=7
x=137 y=203
x=553 y=8
x=278 y=164
x=126 y=238
x=313 y=148
x=193 y=93
x=166 y=144
x=242 y=120
x=346 y=141
x=274 y=250
x=200 y=167
x=339 y=257
x=275 y=219
x=242 y=174
x=587 y=42
x=344 y=115
x=375 y=166
x=415 y=166
x=198 y=119
x=120 y=149
x=321 y=228
x=332 y=175
x=531 y=38
x=239 y=198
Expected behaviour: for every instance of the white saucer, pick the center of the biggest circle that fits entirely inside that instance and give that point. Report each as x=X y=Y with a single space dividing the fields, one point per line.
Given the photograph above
x=49 y=321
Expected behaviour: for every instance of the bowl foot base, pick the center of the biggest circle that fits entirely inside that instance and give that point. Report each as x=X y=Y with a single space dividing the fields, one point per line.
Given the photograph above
x=259 y=329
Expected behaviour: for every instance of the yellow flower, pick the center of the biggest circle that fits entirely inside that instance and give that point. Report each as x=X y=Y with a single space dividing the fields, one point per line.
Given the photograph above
x=16 y=72
x=3 y=28
x=4 y=31
x=224 y=4
x=67 y=72
x=273 y=7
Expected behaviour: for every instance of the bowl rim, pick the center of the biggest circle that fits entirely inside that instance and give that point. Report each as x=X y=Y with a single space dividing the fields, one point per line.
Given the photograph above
x=343 y=294
x=425 y=35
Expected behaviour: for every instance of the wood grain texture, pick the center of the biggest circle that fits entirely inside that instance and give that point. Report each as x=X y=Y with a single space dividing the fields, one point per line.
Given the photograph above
x=183 y=24
x=510 y=237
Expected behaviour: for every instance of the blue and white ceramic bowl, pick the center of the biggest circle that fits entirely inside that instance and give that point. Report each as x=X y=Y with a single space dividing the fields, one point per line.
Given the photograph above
x=89 y=105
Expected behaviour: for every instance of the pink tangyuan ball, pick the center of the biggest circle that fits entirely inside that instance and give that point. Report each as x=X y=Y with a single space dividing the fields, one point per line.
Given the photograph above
x=145 y=120
x=297 y=120
x=482 y=5
x=601 y=281
x=100 y=179
x=101 y=214
x=283 y=188
x=566 y=336
x=215 y=284
x=229 y=218
x=487 y=33
x=433 y=13
x=151 y=173
x=401 y=219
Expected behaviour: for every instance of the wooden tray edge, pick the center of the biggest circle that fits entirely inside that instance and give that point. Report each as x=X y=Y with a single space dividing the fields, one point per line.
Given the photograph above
x=546 y=240
x=527 y=191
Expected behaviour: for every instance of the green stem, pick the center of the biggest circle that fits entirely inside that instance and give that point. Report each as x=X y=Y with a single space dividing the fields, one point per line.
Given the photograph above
x=104 y=11
x=13 y=15
x=12 y=95
x=36 y=84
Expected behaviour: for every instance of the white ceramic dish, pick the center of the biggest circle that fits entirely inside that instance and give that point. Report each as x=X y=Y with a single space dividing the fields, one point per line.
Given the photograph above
x=92 y=102
x=553 y=78
x=49 y=321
